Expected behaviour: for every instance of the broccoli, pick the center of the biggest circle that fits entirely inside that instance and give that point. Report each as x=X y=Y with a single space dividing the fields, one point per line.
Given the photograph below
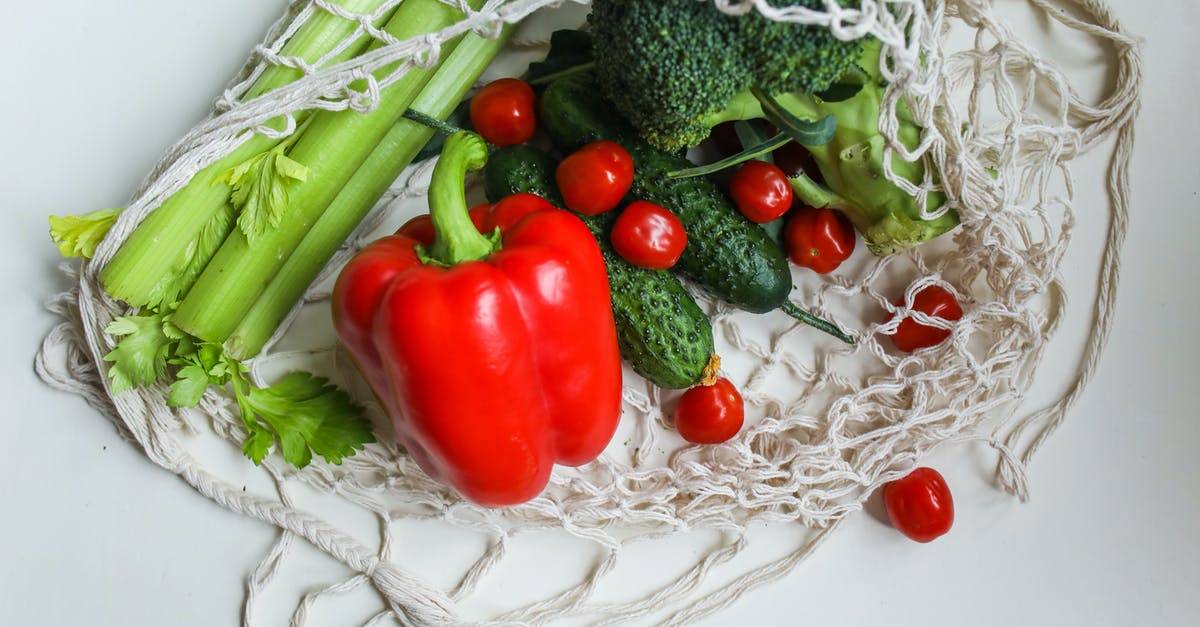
x=851 y=164
x=676 y=68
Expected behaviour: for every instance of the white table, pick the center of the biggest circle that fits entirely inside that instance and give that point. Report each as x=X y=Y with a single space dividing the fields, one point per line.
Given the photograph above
x=94 y=534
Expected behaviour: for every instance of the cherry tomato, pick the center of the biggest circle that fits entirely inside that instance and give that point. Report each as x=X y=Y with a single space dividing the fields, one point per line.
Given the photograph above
x=708 y=414
x=818 y=239
x=420 y=227
x=503 y=111
x=933 y=300
x=761 y=191
x=648 y=236
x=595 y=178
x=919 y=504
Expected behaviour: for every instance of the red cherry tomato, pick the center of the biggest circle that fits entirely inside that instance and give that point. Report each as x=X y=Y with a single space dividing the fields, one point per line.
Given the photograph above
x=819 y=239
x=933 y=300
x=708 y=414
x=648 y=236
x=503 y=111
x=595 y=178
x=420 y=227
x=919 y=504
x=761 y=191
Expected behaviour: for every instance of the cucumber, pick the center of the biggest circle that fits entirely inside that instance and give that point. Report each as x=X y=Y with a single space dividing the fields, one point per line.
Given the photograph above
x=727 y=255
x=662 y=333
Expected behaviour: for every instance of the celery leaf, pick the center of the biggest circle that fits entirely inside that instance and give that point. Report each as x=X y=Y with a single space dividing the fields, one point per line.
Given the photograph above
x=78 y=236
x=308 y=415
x=198 y=252
x=189 y=386
x=140 y=357
x=260 y=190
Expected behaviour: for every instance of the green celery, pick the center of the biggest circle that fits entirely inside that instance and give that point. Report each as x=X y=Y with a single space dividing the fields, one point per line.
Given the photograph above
x=332 y=147
x=448 y=86
x=157 y=262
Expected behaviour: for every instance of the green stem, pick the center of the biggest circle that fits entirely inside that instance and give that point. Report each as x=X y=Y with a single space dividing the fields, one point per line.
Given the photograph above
x=160 y=250
x=732 y=160
x=553 y=76
x=456 y=240
x=333 y=147
x=416 y=115
x=792 y=310
x=449 y=85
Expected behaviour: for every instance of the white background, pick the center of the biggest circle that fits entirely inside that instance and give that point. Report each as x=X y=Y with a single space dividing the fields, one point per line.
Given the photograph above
x=91 y=533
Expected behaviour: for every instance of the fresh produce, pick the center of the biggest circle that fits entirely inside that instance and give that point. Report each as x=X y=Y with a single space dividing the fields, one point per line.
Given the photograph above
x=504 y=111
x=818 y=239
x=454 y=76
x=595 y=178
x=496 y=355
x=727 y=255
x=935 y=301
x=852 y=167
x=163 y=257
x=250 y=197
x=662 y=333
x=761 y=191
x=710 y=414
x=676 y=68
x=919 y=504
x=648 y=236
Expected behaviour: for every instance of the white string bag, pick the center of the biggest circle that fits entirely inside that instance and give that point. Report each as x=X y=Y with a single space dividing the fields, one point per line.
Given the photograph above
x=827 y=424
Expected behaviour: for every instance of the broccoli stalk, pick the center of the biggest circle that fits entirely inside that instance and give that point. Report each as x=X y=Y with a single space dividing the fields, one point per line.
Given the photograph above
x=851 y=162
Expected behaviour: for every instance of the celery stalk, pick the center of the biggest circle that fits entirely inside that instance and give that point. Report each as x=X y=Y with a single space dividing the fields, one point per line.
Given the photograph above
x=332 y=147
x=153 y=265
x=447 y=87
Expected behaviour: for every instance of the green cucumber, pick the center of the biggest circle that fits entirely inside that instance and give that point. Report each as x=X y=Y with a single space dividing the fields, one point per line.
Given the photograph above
x=727 y=255
x=663 y=334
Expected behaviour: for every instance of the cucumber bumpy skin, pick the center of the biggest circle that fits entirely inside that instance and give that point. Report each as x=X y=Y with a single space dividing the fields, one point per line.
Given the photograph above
x=726 y=255
x=662 y=333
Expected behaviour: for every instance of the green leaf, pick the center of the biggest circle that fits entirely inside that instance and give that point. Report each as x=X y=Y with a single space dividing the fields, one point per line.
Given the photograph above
x=807 y=132
x=570 y=51
x=173 y=285
x=309 y=415
x=78 y=236
x=188 y=388
x=260 y=190
x=141 y=356
x=258 y=445
x=751 y=133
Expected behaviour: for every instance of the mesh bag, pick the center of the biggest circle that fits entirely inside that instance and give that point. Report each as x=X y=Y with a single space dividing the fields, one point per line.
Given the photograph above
x=827 y=423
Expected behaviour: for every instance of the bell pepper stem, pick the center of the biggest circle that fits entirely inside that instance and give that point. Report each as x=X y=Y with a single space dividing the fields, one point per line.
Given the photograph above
x=456 y=239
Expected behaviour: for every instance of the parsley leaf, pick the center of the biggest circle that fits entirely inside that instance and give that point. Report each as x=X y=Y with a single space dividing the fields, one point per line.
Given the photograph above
x=308 y=415
x=78 y=236
x=260 y=190
x=141 y=356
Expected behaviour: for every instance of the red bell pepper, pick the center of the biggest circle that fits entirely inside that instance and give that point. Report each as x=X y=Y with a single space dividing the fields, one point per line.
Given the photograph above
x=495 y=355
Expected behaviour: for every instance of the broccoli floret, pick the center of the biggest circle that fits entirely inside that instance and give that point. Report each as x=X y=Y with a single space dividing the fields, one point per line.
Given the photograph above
x=676 y=68
x=789 y=58
x=666 y=64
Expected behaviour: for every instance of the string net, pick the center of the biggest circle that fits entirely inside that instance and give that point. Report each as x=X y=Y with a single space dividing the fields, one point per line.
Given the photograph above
x=827 y=423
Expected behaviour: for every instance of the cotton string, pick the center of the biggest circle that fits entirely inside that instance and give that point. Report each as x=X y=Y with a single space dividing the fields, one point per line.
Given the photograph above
x=1002 y=125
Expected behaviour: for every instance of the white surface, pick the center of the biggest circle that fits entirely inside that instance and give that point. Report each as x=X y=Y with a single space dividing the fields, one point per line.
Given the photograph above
x=94 y=534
